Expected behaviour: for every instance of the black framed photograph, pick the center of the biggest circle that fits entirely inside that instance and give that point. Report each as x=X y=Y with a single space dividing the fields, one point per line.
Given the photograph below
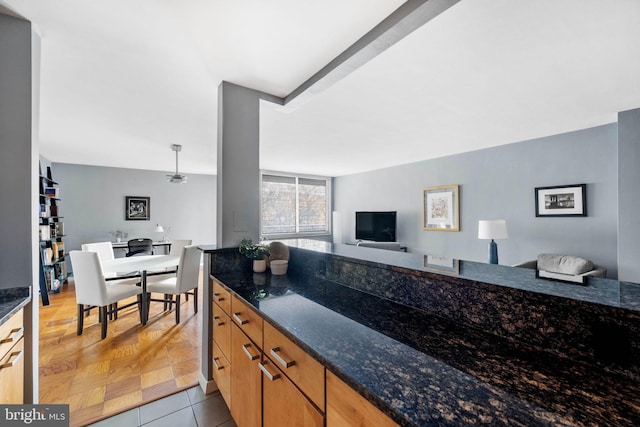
x=561 y=200
x=137 y=208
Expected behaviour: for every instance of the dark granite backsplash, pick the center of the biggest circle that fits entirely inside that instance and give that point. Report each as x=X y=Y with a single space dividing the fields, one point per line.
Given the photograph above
x=601 y=334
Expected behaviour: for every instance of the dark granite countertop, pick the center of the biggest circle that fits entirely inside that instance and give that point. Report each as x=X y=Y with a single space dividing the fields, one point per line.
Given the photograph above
x=424 y=370
x=12 y=300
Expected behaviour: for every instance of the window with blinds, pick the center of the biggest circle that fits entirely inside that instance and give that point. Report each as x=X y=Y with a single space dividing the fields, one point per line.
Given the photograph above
x=294 y=205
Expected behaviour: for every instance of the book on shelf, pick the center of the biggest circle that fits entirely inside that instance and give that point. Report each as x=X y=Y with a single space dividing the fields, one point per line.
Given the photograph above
x=51 y=191
x=54 y=211
x=45 y=210
x=59 y=228
x=44 y=232
x=47 y=256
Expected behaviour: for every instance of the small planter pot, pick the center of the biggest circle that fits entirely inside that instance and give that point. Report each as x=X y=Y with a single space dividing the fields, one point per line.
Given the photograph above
x=259 y=265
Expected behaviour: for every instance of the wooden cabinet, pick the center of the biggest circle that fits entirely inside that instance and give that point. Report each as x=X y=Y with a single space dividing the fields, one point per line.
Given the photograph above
x=246 y=380
x=222 y=340
x=345 y=407
x=283 y=403
x=302 y=369
x=249 y=321
x=222 y=330
x=222 y=373
x=222 y=297
x=12 y=360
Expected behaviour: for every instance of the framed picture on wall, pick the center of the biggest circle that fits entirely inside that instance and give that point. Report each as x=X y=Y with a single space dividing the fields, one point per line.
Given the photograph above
x=561 y=200
x=441 y=209
x=137 y=208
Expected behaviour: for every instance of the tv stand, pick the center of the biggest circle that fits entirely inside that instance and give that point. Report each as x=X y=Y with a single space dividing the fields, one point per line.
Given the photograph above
x=391 y=246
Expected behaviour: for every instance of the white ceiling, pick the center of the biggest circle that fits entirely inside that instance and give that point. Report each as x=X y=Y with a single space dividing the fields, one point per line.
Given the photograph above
x=122 y=80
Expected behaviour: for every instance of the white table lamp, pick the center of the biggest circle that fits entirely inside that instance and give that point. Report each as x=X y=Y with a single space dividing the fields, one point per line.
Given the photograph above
x=492 y=229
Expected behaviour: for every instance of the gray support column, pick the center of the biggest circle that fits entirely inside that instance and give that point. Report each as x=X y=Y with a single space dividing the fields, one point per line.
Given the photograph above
x=628 y=195
x=238 y=181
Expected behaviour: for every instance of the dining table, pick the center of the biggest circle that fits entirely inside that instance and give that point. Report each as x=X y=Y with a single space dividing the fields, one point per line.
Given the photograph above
x=140 y=266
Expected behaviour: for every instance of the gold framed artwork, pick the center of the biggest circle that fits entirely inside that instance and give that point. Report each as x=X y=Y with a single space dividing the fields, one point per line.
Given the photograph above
x=441 y=208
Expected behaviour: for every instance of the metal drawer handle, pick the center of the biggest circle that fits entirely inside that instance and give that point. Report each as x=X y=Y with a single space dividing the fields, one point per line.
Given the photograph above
x=218 y=367
x=217 y=297
x=16 y=355
x=237 y=318
x=17 y=334
x=218 y=322
x=280 y=360
x=245 y=348
x=269 y=375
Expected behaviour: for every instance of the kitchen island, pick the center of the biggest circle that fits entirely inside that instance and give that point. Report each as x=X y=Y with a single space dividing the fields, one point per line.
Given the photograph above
x=452 y=348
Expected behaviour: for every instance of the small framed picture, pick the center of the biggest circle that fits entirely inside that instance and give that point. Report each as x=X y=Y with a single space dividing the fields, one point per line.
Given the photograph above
x=137 y=208
x=441 y=210
x=561 y=200
x=440 y=264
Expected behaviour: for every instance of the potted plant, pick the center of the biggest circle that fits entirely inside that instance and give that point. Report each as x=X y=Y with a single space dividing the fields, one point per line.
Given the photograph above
x=119 y=235
x=257 y=252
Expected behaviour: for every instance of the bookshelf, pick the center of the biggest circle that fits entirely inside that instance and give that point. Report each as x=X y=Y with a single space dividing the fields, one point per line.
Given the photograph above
x=53 y=267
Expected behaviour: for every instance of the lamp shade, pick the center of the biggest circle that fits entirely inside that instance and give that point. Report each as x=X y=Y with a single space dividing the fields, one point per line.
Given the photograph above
x=492 y=229
x=159 y=228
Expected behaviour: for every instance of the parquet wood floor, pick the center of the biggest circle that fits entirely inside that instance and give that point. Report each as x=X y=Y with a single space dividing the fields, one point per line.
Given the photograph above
x=134 y=365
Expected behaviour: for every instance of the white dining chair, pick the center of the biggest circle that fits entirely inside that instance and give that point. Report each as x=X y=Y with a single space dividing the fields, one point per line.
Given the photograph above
x=177 y=245
x=92 y=290
x=105 y=253
x=103 y=249
x=184 y=282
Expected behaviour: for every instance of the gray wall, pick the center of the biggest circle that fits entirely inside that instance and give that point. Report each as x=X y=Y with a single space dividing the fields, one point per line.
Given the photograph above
x=499 y=183
x=93 y=200
x=628 y=206
x=15 y=161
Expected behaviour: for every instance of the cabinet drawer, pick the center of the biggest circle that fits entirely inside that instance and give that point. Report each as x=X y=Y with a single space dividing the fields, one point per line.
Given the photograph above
x=222 y=373
x=222 y=297
x=10 y=333
x=12 y=374
x=283 y=404
x=222 y=330
x=306 y=372
x=247 y=320
x=346 y=407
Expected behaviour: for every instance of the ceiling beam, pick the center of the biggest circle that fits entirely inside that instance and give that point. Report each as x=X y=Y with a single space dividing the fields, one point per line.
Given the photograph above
x=407 y=18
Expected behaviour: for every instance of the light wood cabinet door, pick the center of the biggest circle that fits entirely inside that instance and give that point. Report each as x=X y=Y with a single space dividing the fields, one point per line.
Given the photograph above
x=10 y=332
x=247 y=319
x=222 y=297
x=302 y=369
x=283 y=403
x=246 y=380
x=222 y=330
x=346 y=407
x=12 y=360
x=222 y=373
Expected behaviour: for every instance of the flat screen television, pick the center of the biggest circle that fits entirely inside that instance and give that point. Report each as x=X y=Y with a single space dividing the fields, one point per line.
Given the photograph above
x=376 y=226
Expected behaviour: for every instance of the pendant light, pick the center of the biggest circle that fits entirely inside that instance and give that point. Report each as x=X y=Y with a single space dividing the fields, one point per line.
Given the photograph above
x=176 y=178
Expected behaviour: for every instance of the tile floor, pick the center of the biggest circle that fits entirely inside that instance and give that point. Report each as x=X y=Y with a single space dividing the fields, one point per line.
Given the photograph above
x=188 y=408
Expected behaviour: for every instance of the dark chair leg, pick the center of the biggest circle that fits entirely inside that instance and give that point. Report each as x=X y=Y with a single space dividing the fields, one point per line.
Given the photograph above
x=103 y=317
x=115 y=311
x=177 y=309
x=80 y=318
x=195 y=300
x=140 y=307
